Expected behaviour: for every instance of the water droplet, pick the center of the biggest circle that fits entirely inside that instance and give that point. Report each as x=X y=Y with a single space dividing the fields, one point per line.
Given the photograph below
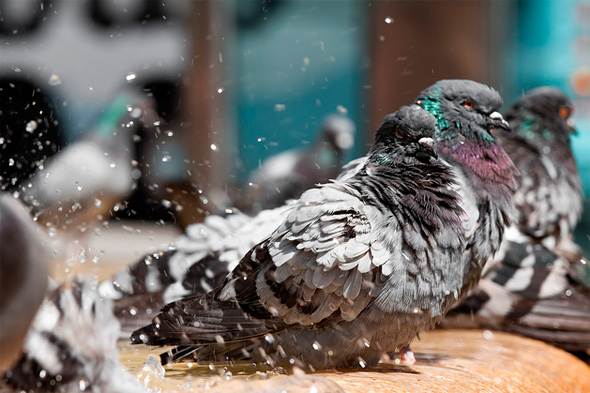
x=31 y=126
x=280 y=107
x=170 y=133
x=269 y=338
x=342 y=110
x=54 y=80
x=157 y=123
x=389 y=20
x=131 y=76
x=316 y=346
x=488 y=335
x=132 y=311
x=166 y=203
x=568 y=292
x=135 y=113
x=95 y=260
x=546 y=149
x=220 y=90
x=228 y=375
x=82 y=384
x=213 y=147
x=166 y=158
x=112 y=165
x=1 y=141
x=461 y=138
x=10 y=162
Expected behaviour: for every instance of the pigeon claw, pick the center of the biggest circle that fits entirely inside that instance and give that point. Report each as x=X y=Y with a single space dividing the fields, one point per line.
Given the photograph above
x=408 y=357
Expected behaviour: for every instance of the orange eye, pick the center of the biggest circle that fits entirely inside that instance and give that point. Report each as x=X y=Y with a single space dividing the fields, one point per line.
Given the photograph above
x=399 y=133
x=468 y=104
x=564 y=112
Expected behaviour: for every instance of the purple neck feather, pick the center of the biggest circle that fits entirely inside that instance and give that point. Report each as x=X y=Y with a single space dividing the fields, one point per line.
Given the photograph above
x=487 y=165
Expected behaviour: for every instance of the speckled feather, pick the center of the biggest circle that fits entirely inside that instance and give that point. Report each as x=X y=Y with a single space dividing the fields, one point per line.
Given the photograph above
x=72 y=346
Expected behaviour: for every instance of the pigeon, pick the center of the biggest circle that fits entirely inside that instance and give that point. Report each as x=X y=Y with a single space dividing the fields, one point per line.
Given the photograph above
x=86 y=179
x=71 y=346
x=530 y=287
x=286 y=175
x=357 y=269
x=467 y=115
x=23 y=277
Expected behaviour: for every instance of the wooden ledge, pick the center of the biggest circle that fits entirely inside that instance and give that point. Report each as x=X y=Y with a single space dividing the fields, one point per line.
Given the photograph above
x=453 y=361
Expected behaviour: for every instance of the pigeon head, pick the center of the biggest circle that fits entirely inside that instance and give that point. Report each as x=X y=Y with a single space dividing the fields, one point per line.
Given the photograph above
x=545 y=113
x=543 y=119
x=466 y=112
x=408 y=131
x=339 y=131
x=463 y=109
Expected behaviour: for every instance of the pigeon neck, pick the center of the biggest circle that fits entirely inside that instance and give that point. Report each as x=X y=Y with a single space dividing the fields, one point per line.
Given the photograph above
x=486 y=164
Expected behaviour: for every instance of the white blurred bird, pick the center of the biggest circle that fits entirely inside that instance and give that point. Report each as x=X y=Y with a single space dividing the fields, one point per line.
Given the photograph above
x=87 y=178
x=80 y=184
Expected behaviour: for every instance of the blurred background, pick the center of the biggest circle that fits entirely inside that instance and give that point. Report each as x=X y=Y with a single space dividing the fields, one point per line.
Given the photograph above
x=237 y=81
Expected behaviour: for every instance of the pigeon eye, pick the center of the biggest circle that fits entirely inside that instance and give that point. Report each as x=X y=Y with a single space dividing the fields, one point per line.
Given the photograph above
x=564 y=112
x=468 y=104
x=399 y=133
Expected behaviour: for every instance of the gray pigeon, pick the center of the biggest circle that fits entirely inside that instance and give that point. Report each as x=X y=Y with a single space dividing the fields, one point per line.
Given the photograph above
x=466 y=114
x=24 y=267
x=530 y=287
x=357 y=269
x=71 y=346
x=286 y=175
x=86 y=179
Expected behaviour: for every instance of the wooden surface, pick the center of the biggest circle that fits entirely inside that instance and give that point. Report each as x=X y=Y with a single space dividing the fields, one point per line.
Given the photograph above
x=447 y=361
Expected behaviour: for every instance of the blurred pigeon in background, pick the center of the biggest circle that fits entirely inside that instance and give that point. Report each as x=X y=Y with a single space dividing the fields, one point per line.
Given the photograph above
x=530 y=288
x=286 y=175
x=82 y=182
x=357 y=269
x=23 y=277
x=72 y=346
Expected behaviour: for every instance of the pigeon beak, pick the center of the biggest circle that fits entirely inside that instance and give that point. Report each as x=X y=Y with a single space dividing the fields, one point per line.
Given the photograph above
x=571 y=123
x=498 y=121
x=428 y=143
